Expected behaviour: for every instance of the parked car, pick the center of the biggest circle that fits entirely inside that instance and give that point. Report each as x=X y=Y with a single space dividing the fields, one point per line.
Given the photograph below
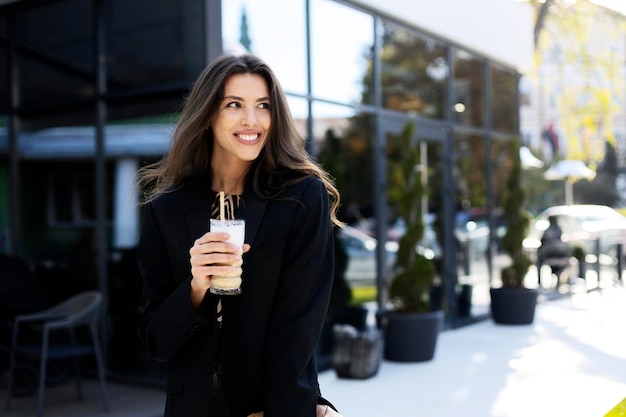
x=582 y=225
x=472 y=229
x=361 y=249
x=428 y=246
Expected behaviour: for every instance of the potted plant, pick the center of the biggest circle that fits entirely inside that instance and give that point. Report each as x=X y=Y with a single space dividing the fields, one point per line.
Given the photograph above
x=411 y=329
x=514 y=303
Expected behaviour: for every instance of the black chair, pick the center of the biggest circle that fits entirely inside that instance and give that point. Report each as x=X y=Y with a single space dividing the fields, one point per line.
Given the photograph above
x=82 y=310
x=557 y=256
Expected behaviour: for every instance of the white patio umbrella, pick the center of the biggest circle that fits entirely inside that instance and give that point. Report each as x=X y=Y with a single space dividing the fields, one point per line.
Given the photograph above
x=569 y=170
x=529 y=160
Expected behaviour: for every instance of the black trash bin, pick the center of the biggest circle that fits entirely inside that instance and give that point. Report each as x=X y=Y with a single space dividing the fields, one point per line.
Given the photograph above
x=356 y=354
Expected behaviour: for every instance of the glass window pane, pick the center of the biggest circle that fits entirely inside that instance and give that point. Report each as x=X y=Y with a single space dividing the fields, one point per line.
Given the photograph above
x=300 y=112
x=5 y=208
x=51 y=32
x=85 y=197
x=71 y=199
x=61 y=195
x=472 y=225
x=44 y=84
x=275 y=30
x=4 y=75
x=341 y=59
x=468 y=103
x=414 y=72
x=429 y=171
x=344 y=143
x=151 y=43
x=329 y=117
x=501 y=165
x=504 y=87
x=55 y=53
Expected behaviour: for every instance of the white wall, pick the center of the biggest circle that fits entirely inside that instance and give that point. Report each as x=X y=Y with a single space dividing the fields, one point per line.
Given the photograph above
x=500 y=29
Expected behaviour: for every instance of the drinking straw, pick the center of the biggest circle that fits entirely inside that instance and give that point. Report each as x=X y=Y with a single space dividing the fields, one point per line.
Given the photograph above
x=222 y=205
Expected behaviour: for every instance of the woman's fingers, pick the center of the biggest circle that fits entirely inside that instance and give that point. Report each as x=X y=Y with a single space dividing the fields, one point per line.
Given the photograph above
x=211 y=255
x=217 y=258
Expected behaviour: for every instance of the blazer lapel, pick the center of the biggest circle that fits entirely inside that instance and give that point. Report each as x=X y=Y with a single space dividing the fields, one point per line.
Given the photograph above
x=254 y=208
x=197 y=206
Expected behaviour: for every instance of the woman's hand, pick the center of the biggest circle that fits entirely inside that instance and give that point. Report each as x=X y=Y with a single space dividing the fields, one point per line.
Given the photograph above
x=322 y=410
x=211 y=255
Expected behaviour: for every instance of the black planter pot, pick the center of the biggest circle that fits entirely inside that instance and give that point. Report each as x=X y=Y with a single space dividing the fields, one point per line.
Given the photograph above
x=411 y=337
x=513 y=305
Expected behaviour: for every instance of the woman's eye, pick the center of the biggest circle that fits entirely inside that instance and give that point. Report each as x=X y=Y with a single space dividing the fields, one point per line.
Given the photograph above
x=233 y=104
x=265 y=106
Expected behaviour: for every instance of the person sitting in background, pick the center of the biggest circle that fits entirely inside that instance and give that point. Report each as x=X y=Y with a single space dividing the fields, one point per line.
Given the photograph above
x=553 y=251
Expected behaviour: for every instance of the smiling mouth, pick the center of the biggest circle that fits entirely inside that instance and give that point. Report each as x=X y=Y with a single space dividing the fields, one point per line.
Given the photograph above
x=248 y=137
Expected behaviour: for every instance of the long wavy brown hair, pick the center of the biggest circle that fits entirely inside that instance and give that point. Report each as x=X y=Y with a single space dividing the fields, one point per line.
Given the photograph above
x=192 y=142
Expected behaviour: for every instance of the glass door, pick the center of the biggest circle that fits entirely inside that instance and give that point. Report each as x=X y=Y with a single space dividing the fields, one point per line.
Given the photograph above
x=428 y=139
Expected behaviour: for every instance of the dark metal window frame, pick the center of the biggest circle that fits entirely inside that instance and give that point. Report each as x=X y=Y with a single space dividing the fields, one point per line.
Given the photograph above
x=104 y=105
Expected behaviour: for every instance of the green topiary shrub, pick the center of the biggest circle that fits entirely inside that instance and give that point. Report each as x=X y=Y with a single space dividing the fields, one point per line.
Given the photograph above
x=518 y=221
x=415 y=274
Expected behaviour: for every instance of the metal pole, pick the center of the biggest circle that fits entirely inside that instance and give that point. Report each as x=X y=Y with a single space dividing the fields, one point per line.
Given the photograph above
x=620 y=261
x=310 y=143
x=424 y=179
x=380 y=178
x=597 y=253
x=449 y=272
x=212 y=29
x=569 y=192
x=13 y=128
x=100 y=159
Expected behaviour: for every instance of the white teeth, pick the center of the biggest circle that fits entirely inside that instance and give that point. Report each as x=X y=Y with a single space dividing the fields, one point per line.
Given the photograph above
x=248 y=137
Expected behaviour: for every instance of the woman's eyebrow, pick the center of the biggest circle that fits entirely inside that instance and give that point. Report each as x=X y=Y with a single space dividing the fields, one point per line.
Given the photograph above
x=231 y=97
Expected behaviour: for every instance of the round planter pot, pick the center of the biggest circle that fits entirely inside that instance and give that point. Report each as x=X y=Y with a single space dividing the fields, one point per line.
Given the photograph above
x=513 y=305
x=412 y=337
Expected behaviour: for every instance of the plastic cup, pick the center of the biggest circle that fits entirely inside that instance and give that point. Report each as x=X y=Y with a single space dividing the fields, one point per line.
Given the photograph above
x=229 y=284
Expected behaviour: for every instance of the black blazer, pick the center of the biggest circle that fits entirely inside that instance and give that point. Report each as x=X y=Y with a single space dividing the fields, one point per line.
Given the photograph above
x=270 y=331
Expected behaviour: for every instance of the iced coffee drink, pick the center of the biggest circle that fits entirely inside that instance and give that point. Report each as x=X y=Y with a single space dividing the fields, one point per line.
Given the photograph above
x=230 y=283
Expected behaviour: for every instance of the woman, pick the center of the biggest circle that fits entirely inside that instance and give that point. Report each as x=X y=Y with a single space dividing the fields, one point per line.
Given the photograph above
x=251 y=353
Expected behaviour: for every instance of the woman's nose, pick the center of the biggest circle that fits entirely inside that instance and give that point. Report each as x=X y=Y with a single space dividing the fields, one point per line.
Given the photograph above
x=249 y=117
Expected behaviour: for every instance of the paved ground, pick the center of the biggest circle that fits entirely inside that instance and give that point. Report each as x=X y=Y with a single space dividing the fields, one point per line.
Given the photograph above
x=570 y=362
x=126 y=401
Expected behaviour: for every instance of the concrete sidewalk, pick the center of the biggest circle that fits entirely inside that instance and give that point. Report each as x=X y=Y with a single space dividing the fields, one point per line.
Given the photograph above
x=570 y=362
x=61 y=401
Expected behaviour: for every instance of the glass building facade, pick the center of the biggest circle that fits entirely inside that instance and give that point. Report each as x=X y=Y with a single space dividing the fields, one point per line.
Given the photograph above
x=353 y=91
x=90 y=88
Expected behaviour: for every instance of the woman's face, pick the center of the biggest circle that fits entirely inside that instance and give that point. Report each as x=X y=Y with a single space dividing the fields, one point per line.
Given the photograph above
x=243 y=119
